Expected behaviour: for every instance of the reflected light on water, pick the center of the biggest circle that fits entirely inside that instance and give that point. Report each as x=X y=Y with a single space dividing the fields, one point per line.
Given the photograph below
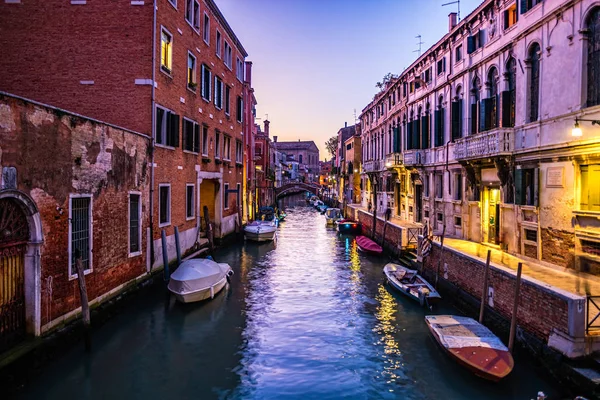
x=386 y=329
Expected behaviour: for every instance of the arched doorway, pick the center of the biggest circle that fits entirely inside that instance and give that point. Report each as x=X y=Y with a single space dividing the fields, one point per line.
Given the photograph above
x=14 y=236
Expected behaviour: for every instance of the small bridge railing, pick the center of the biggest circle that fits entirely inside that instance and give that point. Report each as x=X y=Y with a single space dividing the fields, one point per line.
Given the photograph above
x=592 y=314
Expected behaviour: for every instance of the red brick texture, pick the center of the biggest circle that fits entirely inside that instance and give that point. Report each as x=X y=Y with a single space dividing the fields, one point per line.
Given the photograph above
x=540 y=310
x=57 y=155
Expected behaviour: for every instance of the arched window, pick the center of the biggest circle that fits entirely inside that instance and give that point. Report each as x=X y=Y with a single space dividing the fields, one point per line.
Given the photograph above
x=509 y=97
x=593 y=58
x=425 y=127
x=417 y=129
x=475 y=104
x=300 y=158
x=534 y=82
x=457 y=114
x=492 y=114
x=409 y=131
x=439 y=123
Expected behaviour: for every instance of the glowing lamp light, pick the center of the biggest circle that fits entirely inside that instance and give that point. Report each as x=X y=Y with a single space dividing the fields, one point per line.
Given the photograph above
x=576 y=129
x=388 y=164
x=355 y=170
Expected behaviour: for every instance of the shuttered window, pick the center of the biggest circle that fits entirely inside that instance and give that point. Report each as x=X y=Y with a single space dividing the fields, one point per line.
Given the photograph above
x=191 y=136
x=456 y=111
x=526 y=186
x=134 y=223
x=439 y=127
x=425 y=131
x=593 y=61
x=590 y=187
x=534 y=82
x=167 y=127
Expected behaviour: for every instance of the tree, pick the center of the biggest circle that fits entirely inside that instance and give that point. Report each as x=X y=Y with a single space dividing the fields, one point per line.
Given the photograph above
x=386 y=79
x=332 y=145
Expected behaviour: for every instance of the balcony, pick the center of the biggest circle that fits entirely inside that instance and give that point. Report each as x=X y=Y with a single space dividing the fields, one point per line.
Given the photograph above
x=394 y=160
x=416 y=157
x=373 y=166
x=498 y=142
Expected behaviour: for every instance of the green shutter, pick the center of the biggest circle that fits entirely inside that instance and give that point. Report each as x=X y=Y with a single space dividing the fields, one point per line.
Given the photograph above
x=425 y=132
x=482 y=115
x=519 y=195
x=474 y=118
x=536 y=186
x=506 y=108
x=197 y=138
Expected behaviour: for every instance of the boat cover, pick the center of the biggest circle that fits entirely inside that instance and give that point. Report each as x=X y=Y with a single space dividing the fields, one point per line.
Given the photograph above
x=456 y=332
x=333 y=213
x=367 y=244
x=196 y=274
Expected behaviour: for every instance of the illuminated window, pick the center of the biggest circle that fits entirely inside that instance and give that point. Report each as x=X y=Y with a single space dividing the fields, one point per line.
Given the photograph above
x=166 y=51
x=510 y=16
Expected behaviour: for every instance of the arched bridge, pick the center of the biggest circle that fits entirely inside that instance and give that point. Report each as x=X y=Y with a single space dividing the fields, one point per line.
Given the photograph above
x=295 y=187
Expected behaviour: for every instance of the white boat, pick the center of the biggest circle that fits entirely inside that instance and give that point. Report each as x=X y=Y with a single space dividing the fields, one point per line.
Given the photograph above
x=410 y=283
x=332 y=215
x=261 y=231
x=198 y=279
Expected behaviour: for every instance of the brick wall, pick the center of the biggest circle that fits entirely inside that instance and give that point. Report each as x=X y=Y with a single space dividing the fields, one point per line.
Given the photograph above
x=56 y=155
x=540 y=310
x=393 y=234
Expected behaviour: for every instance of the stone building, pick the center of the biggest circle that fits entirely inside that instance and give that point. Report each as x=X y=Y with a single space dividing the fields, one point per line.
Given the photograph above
x=476 y=137
x=176 y=73
x=351 y=169
x=70 y=186
x=306 y=153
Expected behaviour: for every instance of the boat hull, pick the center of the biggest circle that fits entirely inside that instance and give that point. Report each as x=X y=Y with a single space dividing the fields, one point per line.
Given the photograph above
x=261 y=236
x=411 y=291
x=351 y=227
x=202 y=294
x=368 y=246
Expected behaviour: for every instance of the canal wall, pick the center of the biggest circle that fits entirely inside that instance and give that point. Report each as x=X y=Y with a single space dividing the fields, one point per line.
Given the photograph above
x=396 y=237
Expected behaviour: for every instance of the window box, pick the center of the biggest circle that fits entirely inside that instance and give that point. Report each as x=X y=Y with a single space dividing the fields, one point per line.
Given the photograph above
x=239 y=164
x=192 y=87
x=218 y=161
x=205 y=159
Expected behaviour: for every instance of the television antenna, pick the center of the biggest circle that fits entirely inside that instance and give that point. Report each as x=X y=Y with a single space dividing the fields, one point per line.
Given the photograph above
x=457 y=2
x=419 y=43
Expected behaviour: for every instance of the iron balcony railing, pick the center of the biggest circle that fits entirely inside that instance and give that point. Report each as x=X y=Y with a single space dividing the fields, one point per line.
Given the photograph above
x=416 y=157
x=394 y=160
x=488 y=144
x=373 y=166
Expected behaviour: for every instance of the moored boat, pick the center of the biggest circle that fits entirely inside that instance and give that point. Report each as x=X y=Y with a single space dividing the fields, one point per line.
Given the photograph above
x=261 y=231
x=367 y=245
x=198 y=279
x=332 y=215
x=472 y=345
x=348 y=226
x=410 y=283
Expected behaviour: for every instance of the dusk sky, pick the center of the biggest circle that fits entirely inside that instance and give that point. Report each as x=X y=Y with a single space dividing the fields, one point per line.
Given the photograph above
x=316 y=61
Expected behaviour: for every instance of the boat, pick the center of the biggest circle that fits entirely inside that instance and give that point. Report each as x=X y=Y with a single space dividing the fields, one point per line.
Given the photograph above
x=367 y=245
x=322 y=208
x=198 y=279
x=472 y=345
x=348 y=226
x=410 y=283
x=261 y=231
x=332 y=215
x=281 y=215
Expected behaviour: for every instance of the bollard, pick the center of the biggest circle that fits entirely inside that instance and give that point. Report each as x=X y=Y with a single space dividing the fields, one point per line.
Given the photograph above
x=177 y=246
x=166 y=275
x=485 y=286
x=513 y=322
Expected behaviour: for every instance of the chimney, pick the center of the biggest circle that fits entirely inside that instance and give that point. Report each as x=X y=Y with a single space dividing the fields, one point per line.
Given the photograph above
x=275 y=138
x=267 y=122
x=452 y=20
x=345 y=124
x=249 y=72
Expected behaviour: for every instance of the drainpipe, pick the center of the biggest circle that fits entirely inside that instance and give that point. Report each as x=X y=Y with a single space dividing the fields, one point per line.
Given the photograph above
x=152 y=141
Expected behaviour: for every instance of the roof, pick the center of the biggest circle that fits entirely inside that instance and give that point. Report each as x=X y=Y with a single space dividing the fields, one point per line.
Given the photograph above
x=213 y=7
x=299 y=145
x=347 y=132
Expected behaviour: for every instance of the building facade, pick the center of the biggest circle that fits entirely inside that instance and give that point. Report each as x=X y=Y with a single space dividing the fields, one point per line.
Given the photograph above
x=306 y=153
x=475 y=138
x=351 y=169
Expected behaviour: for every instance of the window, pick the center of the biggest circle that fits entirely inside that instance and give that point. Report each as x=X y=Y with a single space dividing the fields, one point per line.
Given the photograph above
x=509 y=96
x=164 y=205
x=441 y=66
x=457 y=115
x=192 y=13
x=206 y=33
x=167 y=127
x=439 y=123
x=205 y=82
x=534 y=82
x=218 y=44
x=226 y=196
x=458 y=53
x=526 y=186
x=240 y=107
x=191 y=136
x=488 y=109
x=217 y=145
x=189 y=201
x=458 y=187
x=590 y=189
x=593 y=58
x=135 y=226
x=80 y=232
x=426 y=186
x=440 y=217
x=239 y=70
x=227 y=100
x=530 y=235
x=238 y=151
x=475 y=41
x=218 y=93
x=510 y=16
x=458 y=221
x=300 y=158
x=204 y=140
x=438 y=186
x=475 y=105
x=191 y=72
x=166 y=51
x=226 y=148
x=228 y=56
x=527 y=5
x=238 y=200
x=590 y=247
x=173 y=3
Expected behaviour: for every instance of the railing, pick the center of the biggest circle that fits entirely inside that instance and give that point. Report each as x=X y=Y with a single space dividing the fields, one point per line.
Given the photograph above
x=394 y=160
x=416 y=157
x=413 y=236
x=593 y=312
x=493 y=143
x=373 y=166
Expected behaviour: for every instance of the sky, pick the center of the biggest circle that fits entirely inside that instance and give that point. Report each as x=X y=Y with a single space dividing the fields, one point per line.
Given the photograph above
x=316 y=62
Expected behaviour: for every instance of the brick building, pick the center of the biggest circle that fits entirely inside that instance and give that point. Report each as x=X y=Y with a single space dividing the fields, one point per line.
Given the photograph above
x=90 y=193
x=306 y=153
x=175 y=73
x=264 y=175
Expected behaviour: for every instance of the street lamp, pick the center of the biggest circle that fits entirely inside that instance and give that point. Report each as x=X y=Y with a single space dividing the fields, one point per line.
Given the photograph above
x=576 y=131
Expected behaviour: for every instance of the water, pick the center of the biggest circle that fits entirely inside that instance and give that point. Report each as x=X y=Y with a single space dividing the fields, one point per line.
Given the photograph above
x=306 y=318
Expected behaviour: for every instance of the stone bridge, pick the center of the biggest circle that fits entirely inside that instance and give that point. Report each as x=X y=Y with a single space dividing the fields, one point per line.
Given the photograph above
x=295 y=187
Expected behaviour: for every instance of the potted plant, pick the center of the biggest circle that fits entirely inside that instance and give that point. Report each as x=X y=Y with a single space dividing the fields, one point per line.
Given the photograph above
x=192 y=85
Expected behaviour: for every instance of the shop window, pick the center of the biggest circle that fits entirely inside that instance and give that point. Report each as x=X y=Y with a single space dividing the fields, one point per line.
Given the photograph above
x=526 y=187
x=590 y=187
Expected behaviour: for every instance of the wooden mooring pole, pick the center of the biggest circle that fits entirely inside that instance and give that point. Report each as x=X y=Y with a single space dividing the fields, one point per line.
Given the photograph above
x=485 y=287
x=177 y=246
x=165 y=254
x=437 y=273
x=513 y=321
x=85 y=306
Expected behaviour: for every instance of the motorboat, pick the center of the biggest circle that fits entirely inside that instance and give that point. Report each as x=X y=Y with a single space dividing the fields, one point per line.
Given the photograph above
x=472 y=345
x=198 y=279
x=348 y=226
x=407 y=281
x=366 y=245
x=261 y=231
x=332 y=215
x=322 y=208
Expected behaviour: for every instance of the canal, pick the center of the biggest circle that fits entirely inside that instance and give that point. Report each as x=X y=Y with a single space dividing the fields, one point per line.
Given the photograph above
x=308 y=317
